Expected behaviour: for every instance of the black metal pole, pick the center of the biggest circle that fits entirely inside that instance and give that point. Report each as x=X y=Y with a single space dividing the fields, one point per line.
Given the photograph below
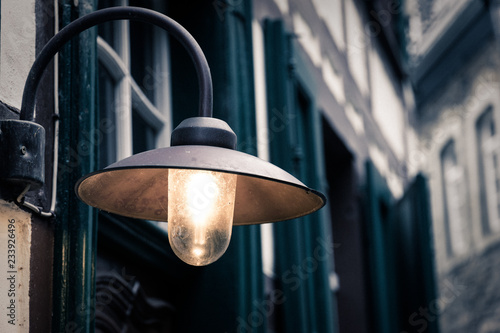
x=113 y=14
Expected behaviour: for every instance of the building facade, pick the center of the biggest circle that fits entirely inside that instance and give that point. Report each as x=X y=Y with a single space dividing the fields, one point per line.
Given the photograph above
x=319 y=88
x=453 y=63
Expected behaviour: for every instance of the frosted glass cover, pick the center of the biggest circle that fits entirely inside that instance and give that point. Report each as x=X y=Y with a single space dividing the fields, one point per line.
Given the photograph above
x=200 y=214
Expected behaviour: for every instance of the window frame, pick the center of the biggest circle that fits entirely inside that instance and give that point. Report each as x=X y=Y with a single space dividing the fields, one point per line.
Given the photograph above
x=129 y=97
x=454 y=194
x=489 y=174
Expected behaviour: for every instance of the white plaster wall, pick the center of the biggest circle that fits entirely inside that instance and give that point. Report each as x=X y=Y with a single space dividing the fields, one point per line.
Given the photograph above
x=332 y=14
x=17 y=48
x=309 y=41
x=357 y=45
x=387 y=108
x=381 y=161
x=282 y=5
x=333 y=80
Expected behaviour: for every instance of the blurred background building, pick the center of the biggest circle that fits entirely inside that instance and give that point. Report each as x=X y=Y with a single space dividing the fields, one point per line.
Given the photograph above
x=453 y=65
x=390 y=107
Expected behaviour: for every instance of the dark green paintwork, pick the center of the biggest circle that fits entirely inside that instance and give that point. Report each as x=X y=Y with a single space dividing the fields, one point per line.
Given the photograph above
x=241 y=117
x=378 y=251
x=301 y=257
x=75 y=230
x=401 y=273
x=414 y=266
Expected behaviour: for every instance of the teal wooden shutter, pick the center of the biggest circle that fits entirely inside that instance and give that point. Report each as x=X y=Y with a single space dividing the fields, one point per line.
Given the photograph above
x=399 y=249
x=378 y=252
x=240 y=107
x=75 y=227
x=414 y=260
x=295 y=132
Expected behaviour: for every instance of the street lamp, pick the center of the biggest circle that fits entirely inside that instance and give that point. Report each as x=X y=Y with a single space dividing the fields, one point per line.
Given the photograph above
x=200 y=185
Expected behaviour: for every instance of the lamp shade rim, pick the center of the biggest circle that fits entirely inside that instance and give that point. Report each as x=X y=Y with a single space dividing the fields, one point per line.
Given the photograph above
x=265 y=192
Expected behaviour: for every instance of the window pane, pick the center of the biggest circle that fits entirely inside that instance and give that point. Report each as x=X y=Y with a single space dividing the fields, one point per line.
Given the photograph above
x=142 y=59
x=144 y=136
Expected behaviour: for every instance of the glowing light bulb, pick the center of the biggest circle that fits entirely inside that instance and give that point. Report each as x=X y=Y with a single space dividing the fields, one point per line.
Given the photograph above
x=200 y=214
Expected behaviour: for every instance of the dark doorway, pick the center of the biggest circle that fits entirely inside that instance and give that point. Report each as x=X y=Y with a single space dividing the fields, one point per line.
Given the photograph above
x=346 y=221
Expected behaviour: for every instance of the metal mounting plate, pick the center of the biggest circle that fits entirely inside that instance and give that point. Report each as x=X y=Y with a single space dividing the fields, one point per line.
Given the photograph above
x=22 y=145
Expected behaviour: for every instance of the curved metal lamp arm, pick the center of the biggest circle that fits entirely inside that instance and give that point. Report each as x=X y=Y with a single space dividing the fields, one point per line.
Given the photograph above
x=113 y=14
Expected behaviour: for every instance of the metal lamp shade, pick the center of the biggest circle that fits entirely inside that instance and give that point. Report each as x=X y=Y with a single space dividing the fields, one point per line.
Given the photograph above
x=138 y=185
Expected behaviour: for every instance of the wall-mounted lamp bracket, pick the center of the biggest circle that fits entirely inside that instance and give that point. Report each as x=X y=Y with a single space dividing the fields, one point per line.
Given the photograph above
x=22 y=150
